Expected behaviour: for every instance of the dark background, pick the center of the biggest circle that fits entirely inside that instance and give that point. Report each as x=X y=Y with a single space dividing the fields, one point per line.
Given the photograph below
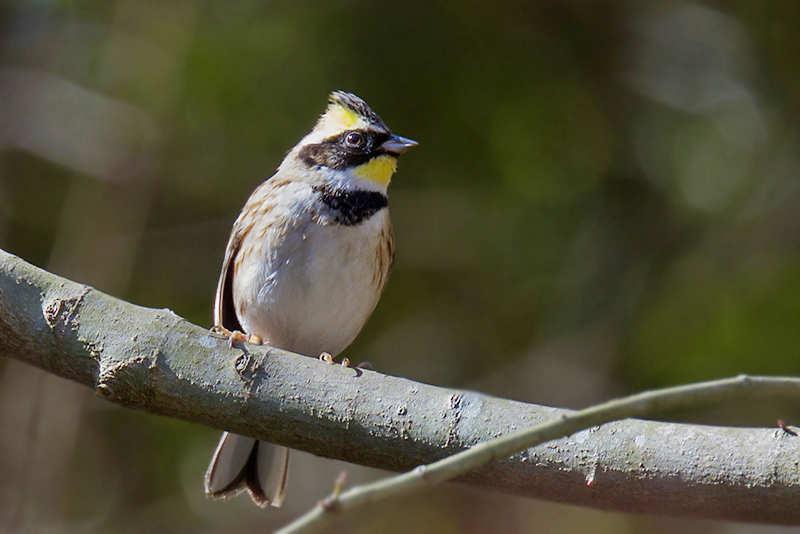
x=605 y=199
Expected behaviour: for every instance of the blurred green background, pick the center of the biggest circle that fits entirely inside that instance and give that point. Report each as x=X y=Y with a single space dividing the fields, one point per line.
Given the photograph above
x=606 y=198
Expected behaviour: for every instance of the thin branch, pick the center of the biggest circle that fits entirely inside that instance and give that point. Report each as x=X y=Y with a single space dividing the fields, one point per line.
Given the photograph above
x=156 y=361
x=641 y=404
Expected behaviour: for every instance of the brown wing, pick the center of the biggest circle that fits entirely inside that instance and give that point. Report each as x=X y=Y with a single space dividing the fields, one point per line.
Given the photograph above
x=255 y=209
x=224 y=309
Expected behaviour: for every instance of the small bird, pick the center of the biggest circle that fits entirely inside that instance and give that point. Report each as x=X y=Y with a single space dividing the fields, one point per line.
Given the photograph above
x=305 y=265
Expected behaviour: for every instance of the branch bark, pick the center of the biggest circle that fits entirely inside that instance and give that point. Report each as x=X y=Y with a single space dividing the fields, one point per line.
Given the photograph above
x=156 y=361
x=428 y=476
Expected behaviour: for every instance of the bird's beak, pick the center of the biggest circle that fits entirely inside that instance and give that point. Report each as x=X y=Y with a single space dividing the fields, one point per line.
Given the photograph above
x=397 y=145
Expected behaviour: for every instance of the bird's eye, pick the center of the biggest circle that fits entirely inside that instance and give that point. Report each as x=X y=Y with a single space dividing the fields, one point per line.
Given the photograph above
x=354 y=140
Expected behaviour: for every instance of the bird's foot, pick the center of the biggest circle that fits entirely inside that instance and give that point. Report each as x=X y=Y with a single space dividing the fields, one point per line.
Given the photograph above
x=235 y=335
x=327 y=358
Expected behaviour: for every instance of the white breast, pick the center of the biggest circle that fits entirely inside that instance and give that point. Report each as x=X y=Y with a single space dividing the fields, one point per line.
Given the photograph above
x=309 y=287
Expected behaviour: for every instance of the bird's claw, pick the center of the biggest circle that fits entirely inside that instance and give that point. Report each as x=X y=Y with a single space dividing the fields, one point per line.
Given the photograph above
x=220 y=331
x=235 y=335
x=327 y=358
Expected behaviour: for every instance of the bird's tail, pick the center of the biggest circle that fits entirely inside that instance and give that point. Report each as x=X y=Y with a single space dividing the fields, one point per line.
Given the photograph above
x=241 y=463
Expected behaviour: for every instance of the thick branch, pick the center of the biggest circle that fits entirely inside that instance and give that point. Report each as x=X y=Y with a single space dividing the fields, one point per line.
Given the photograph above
x=156 y=361
x=481 y=454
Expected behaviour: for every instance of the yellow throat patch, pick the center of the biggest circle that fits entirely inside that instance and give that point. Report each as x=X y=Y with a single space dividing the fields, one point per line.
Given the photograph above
x=378 y=170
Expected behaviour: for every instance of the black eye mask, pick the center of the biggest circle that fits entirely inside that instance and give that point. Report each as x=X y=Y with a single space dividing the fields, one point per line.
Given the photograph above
x=336 y=153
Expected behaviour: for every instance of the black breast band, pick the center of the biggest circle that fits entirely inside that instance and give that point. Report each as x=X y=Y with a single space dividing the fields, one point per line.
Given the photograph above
x=351 y=207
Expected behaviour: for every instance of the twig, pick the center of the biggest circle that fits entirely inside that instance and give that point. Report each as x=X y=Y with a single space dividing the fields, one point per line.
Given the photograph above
x=646 y=403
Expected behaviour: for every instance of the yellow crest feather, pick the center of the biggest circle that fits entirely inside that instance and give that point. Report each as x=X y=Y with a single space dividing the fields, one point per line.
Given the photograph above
x=338 y=118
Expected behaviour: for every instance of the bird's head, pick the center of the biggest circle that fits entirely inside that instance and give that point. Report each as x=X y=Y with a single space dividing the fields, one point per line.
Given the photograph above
x=352 y=139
